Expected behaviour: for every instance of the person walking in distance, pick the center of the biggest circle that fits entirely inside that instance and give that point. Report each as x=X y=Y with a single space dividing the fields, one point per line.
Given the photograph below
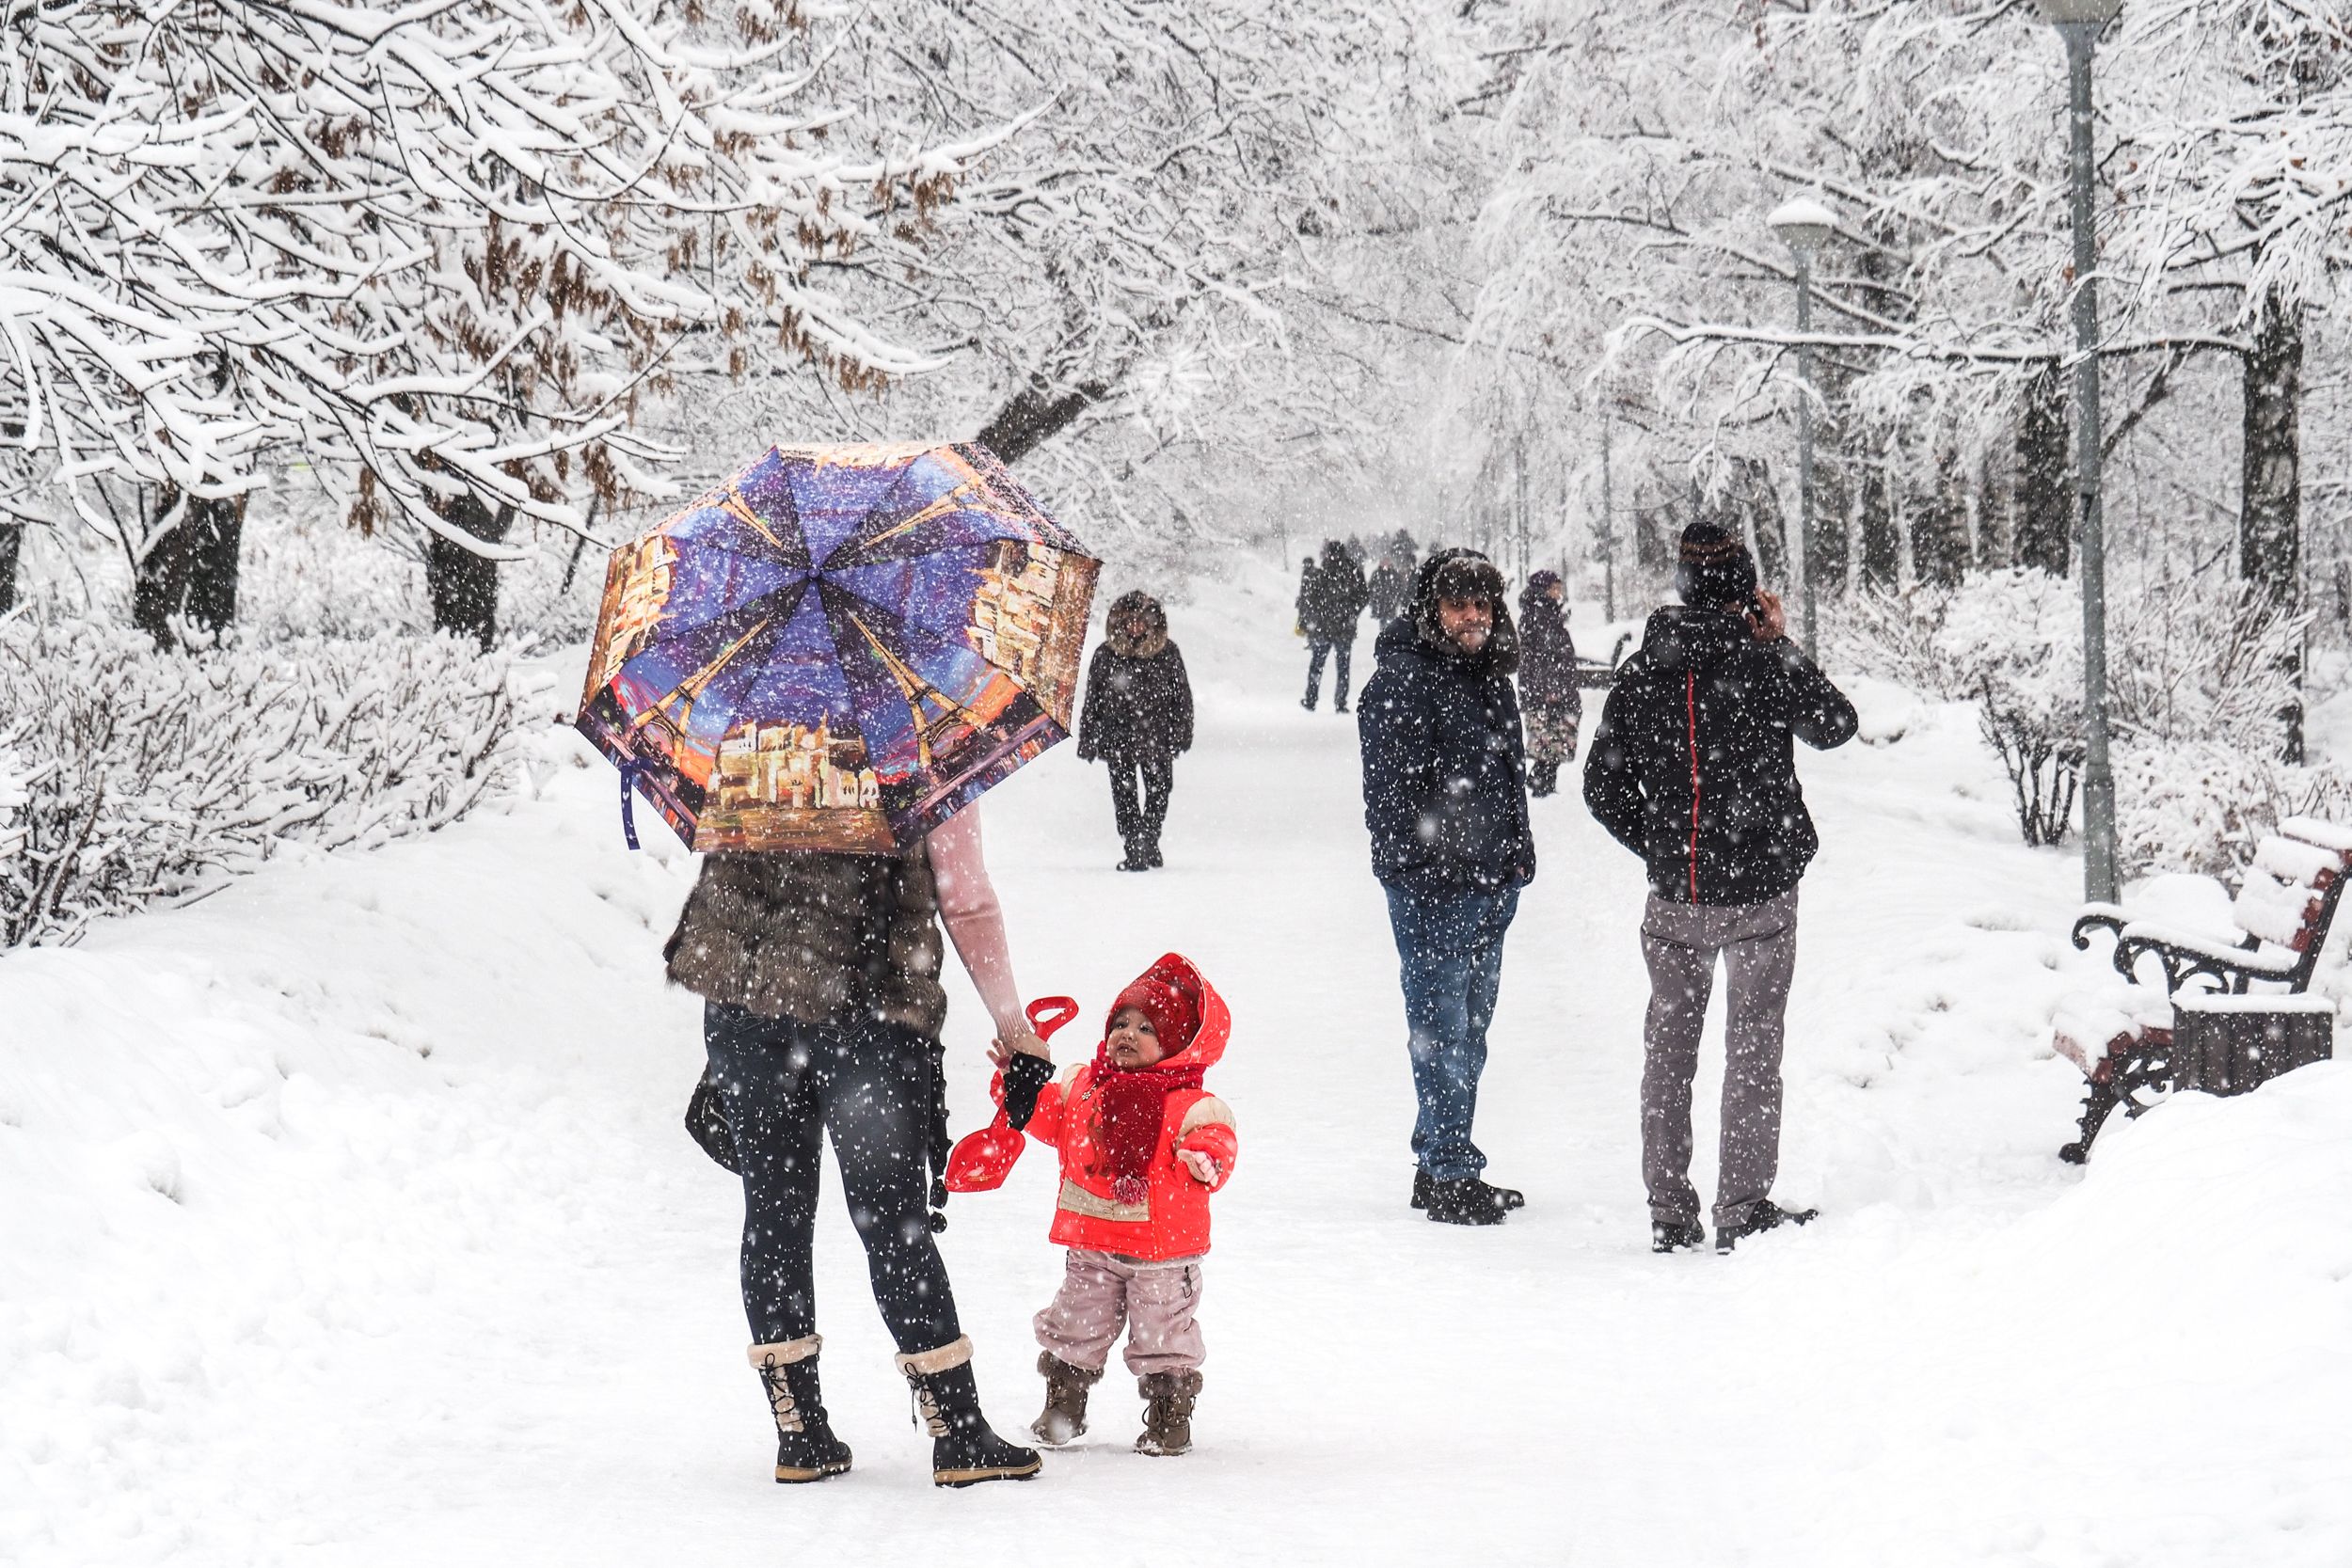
x=1331 y=602
x=1445 y=799
x=1391 y=585
x=1549 y=695
x=1138 y=717
x=1693 y=770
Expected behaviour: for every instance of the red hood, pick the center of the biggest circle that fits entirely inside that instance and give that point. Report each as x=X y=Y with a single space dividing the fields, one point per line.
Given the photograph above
x=1216 y=1024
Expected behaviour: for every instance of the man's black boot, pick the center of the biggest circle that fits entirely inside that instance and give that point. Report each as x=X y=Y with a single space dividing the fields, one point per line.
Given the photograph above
x=1676 y=1236
x=1505 y=1199
x=806 y=1450
x=964 y=1451
x=1468 y=1201
x=1766 y=1215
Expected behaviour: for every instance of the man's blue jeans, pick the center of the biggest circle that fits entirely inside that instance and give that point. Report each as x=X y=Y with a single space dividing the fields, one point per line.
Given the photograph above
x=1449 y=949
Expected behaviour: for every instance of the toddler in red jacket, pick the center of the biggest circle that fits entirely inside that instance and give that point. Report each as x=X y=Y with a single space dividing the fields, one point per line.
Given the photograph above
x=1142 y=1146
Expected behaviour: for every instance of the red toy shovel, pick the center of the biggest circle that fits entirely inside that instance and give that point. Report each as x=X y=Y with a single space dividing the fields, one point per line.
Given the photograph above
x=982 y=1160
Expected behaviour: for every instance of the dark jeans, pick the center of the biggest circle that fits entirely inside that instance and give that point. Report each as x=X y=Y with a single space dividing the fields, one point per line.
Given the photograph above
x=869 y=1088
x=1139 y=817
x=1449 y=949
x=1317 y=648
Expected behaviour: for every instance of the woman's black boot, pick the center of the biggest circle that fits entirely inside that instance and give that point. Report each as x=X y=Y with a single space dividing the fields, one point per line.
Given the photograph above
x=806 y=1450
x=963 y=1451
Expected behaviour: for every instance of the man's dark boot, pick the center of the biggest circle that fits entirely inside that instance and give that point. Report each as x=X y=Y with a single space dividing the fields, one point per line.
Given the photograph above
x=1066 y=1386
x=1168 y=1419
x=1469 y=1202
x=964 y=1451
x=1766 y=1215
x=1676 y=1236
x=806 y=1450
x=1505 y=1199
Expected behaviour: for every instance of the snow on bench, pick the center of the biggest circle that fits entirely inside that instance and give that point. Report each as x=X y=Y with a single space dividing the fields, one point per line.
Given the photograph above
x=2206 y=1028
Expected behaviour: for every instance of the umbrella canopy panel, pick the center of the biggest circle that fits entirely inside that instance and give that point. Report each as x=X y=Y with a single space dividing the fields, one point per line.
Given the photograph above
x=838 y=647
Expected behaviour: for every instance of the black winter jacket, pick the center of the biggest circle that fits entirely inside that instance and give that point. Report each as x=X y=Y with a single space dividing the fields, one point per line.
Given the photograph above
x=1692 y=769
x=1332 y=600
x=1546 y=655
x=1445 y=768
x=1138 y=701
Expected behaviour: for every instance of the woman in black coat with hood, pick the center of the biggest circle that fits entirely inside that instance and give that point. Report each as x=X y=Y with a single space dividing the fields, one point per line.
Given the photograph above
x=1137 y=717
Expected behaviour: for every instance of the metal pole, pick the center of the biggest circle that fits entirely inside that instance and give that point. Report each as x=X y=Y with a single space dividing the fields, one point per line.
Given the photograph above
x=1608 y=531
x=1804 y=445
x=2099 y=875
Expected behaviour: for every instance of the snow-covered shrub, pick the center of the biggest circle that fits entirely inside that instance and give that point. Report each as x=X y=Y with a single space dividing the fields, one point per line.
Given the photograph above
x=2198 y=674
x=131 y=778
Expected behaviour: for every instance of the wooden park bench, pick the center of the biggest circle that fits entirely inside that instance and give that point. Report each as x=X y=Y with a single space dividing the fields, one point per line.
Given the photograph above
x=2210 y=1028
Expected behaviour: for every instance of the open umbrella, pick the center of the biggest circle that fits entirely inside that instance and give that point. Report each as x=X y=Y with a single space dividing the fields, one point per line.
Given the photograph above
x=837 y=648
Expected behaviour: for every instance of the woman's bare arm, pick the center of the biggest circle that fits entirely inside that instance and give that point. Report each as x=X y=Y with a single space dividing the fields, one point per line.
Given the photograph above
x=976 y=924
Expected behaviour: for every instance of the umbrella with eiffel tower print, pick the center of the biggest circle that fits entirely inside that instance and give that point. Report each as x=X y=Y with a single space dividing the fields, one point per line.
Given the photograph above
x=837 y=648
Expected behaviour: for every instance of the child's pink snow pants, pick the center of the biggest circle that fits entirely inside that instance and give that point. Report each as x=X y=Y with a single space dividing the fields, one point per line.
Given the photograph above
x=1156 y=1302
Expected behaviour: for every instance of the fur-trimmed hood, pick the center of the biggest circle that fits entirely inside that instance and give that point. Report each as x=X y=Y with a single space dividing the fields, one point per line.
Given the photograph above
x=1128 y=609
x=1501 y=656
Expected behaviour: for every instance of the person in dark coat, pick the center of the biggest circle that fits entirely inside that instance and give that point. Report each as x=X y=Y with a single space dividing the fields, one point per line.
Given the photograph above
x=1391 y=585
x=1331 y=602
x=1549 y=695
x=1138 y=717
x=1445 y=800
x=1693 y=769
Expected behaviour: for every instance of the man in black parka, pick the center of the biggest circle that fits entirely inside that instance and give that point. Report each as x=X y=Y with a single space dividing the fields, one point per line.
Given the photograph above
x=1693 y=770
x=1445 y=799
x=1331 y=600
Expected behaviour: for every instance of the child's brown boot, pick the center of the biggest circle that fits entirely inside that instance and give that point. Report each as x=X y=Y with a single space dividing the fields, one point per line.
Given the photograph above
x=1167 y=1421
x=1066 y=1386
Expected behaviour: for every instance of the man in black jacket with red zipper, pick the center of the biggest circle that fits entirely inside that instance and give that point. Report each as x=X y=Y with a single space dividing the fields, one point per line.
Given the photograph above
x=1693 y=770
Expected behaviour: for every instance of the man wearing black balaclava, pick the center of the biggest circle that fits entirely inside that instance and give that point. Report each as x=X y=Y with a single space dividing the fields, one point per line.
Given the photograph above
x=1691 y=770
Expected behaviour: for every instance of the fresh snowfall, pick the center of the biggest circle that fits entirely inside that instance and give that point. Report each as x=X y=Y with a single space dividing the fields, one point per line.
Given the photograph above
x=349 y=1218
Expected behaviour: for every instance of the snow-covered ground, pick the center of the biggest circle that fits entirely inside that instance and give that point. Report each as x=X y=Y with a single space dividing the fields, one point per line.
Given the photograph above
x=345 y=1218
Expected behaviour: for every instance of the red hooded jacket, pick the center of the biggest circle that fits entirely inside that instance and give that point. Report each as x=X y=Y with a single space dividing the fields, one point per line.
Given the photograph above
x=1172 y=1221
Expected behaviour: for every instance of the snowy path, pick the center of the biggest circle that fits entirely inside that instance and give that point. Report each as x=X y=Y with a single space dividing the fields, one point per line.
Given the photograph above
x=439 y=1279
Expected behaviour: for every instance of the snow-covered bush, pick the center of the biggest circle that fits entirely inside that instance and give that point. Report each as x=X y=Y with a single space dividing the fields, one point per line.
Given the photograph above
x=129 y=778
x=2203 y=806
x=2198 y=675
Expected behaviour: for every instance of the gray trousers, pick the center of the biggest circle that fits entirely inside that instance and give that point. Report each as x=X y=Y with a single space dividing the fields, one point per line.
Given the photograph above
x=1680 y=944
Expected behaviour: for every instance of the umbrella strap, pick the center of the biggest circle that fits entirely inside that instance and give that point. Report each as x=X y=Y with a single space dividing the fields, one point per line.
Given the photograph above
x=628 y=800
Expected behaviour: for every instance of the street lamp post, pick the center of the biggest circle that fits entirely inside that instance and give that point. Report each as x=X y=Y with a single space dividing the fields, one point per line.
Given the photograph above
x=1803 y=224
x=2079 y=23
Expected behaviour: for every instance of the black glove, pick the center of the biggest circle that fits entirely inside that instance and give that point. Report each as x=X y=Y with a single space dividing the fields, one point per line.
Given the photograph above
x=1026 y=1077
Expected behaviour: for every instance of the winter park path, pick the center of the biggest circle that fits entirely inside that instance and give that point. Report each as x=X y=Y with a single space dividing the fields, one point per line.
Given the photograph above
x=348 y=1221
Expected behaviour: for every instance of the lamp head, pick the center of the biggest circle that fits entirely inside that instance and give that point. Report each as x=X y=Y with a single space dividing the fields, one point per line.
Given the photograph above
x=1802 y=224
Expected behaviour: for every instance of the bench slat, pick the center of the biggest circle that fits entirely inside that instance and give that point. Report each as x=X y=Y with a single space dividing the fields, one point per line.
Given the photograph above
x=2292 y=861
x=2276 y=911
x=2311 y=830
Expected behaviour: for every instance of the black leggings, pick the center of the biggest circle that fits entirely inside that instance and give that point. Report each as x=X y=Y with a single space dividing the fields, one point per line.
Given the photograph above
x=870 y=1086
x=1139 y=819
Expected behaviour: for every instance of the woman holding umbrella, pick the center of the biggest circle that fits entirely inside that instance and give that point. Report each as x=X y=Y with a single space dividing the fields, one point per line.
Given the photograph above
x=820 y=980
x=813 y=671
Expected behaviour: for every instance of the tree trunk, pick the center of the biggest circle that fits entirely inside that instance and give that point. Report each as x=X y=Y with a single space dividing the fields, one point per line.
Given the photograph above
x=1766 y=524
x=1939 y=530
x=12 y=548
x=2045 y=498
x=1881 y=527
x=1035 y=415
x=191 y=574
x=465 y=586
x=2271 y=508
